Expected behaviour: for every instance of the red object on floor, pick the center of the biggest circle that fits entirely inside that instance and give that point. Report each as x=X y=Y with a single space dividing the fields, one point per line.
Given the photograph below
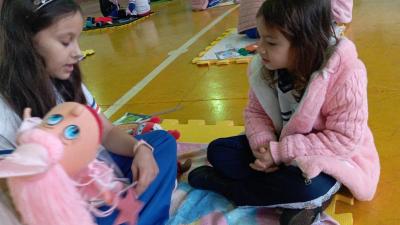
x=103 y=20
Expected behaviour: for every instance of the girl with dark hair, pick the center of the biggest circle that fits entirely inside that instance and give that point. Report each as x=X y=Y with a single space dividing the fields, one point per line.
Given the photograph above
x=306 y=120
x=39 y=55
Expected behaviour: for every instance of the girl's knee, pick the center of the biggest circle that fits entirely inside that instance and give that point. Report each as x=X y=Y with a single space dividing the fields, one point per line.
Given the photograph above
x=214 y=150
x=165 y=149
x=215 y=143
x=167 y=136
x=317 y=189
x=166 y=141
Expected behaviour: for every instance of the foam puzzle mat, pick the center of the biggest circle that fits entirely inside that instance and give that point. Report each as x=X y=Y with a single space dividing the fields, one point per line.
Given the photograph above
x=124 y=23
x=224 y=50
x=197 y=131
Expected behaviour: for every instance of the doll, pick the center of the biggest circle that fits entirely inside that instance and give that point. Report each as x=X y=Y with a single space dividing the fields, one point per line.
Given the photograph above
x=54 y=177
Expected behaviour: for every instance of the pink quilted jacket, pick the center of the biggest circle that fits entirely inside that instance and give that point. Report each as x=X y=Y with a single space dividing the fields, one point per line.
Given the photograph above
x=342 y=10
x=328 y=131
x=247 y=14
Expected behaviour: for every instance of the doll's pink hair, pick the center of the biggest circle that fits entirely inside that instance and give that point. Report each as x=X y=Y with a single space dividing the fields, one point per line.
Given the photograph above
x=50 y=197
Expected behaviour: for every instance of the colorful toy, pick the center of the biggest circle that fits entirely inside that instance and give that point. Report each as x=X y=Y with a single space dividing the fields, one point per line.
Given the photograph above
x=53 y=176
x=103 y=20
x=116 y=22
x=98 y=22
x=252 y=48
x=243 y=52
x=153 y=124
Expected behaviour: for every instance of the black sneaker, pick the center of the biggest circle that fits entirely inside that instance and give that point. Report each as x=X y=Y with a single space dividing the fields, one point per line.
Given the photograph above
x=302 y=216
x=206 y=178
x=183 y=167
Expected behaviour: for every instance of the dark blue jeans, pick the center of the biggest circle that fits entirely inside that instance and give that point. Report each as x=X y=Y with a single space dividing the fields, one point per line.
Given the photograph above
x=157 y=197
x=251 y=33
x=231 y=157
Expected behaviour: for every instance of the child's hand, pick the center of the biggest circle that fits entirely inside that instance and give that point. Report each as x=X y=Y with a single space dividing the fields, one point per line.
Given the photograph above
x=144 y=168
x=264 y=161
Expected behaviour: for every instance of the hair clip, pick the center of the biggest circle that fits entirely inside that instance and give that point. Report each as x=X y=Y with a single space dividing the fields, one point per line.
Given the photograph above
x=41 y=3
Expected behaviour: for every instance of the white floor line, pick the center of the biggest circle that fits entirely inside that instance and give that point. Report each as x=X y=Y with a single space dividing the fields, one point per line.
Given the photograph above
x=171 y=57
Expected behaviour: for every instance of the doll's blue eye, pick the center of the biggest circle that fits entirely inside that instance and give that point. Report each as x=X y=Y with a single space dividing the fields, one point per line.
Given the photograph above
x=54 y=119
x=71 y=132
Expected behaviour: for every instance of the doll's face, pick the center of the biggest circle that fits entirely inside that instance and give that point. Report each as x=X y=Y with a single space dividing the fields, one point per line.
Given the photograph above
x=79 y=131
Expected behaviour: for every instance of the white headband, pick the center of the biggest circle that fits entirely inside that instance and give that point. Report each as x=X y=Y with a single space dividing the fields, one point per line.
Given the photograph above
x=41 y=3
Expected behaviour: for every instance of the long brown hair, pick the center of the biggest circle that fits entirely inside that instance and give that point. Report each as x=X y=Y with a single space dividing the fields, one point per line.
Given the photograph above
x=307 y=25
x=23 y=80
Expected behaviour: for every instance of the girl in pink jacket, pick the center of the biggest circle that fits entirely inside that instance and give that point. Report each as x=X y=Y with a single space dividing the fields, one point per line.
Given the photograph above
x=306 y=119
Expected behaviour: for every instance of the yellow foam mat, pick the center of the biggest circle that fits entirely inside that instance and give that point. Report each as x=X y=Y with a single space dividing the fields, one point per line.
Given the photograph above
x=198 y=60
x=108 y=29
x=343 y=218
x=87 y=52
x=197 y=131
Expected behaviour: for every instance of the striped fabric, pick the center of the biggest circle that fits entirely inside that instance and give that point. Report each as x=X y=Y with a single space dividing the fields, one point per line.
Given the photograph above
x=91 y=101
x=199 y=4
x=342 y=11
x=247 y=14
